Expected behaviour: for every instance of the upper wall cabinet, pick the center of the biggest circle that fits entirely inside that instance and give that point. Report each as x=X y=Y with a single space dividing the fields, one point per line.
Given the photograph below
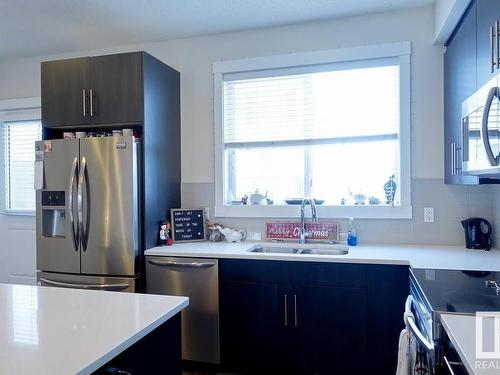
x=64 y=92
x=471 y=59
x=459 y=84
x=488 y=53
x=90 y=91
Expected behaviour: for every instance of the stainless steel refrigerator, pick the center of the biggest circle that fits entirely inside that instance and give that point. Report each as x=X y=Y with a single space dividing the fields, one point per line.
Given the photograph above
x=87 y=213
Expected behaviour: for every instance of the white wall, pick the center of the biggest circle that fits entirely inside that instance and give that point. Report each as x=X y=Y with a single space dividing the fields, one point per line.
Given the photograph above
x=17 y=249
x=193 y=58
x=447 y=14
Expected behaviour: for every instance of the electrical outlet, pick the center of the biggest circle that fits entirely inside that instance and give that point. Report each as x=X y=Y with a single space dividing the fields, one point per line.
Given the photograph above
x=254 y=236
x=428 y=215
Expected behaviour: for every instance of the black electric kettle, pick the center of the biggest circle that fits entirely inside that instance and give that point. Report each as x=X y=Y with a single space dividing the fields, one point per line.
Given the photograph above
x=477 y=233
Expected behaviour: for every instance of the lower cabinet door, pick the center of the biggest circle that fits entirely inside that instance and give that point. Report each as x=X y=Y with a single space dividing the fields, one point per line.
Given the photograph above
x=330 y=330
x=255 y=319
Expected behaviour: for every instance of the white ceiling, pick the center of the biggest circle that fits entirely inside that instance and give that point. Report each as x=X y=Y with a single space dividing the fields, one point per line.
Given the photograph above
x=41 y=27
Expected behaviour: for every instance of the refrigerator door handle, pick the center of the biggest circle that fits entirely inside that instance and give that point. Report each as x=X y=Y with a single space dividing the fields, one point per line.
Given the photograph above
x=85 y=286
x=81 y=177
x=72 y=178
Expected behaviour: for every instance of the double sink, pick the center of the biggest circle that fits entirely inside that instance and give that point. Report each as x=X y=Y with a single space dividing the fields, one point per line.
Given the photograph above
x=334 y=250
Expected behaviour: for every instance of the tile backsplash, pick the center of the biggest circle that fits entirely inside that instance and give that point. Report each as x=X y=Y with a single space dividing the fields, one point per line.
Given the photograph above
x=451 y=204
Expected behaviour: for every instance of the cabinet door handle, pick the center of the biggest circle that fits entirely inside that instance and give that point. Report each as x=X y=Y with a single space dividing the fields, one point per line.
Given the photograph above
x=492 y=49
x=497 y=37
x=83 y=103
x=286 y=310
x=91 y=94
x=452 y=156
x=295 y=310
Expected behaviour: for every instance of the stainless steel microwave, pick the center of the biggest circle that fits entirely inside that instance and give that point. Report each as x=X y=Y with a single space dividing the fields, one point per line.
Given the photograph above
x=481 y=131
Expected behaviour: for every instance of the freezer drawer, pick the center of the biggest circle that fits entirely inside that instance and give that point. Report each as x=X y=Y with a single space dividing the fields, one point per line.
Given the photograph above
x=119 y=284
x=197 y=279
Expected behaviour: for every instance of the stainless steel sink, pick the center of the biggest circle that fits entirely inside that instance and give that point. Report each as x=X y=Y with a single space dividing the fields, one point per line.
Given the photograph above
x=325 y=251
x=291 y=250
x=275 y=250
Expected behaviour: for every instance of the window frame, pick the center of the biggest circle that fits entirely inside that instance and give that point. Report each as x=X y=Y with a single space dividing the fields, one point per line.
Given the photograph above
x=400 y=51
x=11 y=110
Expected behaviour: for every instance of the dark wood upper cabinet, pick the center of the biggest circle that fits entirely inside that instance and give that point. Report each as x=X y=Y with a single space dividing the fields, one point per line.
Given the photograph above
x=459 y=84
x=127 y=90
x=117 y=93
x=64 y=95
x=467 y=67
x=488 y=13
x=92 y=91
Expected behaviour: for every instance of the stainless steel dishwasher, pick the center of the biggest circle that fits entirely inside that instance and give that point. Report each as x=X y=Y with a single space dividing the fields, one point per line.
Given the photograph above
x=197 y=279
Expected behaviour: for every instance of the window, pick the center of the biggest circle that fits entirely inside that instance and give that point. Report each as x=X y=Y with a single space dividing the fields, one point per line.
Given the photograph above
x=20 y=129
x=336 y=129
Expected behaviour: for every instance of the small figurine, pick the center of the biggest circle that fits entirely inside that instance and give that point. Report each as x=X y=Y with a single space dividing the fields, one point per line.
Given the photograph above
x=244 y=199
x=163 y=232
x=390 y=190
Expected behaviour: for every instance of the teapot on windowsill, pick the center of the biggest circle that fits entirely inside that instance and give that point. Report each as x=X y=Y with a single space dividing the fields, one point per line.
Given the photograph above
x=256 y=197
x=232 y=235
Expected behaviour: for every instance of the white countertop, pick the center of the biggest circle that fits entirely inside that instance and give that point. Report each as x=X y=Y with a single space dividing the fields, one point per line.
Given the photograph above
x=47 y=331
x=461 y=330
x=417 y=256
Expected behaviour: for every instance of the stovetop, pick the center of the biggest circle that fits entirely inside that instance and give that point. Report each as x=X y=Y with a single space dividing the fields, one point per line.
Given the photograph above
x=460 y=292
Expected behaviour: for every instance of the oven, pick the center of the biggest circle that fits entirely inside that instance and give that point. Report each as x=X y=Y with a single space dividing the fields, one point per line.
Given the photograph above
x=426 y=328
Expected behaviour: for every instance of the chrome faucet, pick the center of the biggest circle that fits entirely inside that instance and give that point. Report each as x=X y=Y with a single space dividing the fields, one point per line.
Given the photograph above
x=303 y=234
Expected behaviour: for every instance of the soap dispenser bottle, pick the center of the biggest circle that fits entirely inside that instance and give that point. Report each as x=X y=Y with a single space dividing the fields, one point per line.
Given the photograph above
x=352 y=236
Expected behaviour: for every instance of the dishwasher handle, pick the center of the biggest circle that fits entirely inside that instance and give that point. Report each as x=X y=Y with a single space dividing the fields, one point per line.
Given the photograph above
x=177 y=264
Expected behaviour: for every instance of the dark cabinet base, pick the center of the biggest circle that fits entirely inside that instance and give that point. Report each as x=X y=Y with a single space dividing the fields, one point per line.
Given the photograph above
x=310 y=318
x=157 y=353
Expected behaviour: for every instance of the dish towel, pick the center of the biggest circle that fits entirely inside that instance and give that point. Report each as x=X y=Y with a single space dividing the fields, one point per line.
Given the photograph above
x=407 y=349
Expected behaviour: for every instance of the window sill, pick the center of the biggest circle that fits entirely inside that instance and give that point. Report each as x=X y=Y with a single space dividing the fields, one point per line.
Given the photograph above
x=330 y=212
x=19 y=213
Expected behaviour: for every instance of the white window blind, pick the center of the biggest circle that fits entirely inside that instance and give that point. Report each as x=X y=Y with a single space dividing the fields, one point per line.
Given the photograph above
x=330 y=131
x=339 y=105
x=19 y=152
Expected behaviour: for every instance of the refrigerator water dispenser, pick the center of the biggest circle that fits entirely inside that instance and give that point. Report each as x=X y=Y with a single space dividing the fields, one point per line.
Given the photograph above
x=53 y=214
x=53 y=222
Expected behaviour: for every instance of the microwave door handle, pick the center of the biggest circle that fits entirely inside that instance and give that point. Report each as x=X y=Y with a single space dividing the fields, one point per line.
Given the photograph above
x=484 y=126
x=81 y=177
x=74 y=228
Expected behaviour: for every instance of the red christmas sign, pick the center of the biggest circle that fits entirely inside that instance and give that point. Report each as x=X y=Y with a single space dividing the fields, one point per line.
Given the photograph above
x=291 y=230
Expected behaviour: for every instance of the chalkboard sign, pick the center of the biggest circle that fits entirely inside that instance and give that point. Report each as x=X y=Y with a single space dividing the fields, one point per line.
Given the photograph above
x=188 y=224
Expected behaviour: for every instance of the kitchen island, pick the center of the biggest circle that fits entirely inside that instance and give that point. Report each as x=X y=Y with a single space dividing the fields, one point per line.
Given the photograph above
x=461 y=330
x=45 y=330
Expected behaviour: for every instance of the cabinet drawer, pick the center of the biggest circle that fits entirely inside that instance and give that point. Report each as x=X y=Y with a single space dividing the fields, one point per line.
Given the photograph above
x=256 y=271
x=329 y=274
